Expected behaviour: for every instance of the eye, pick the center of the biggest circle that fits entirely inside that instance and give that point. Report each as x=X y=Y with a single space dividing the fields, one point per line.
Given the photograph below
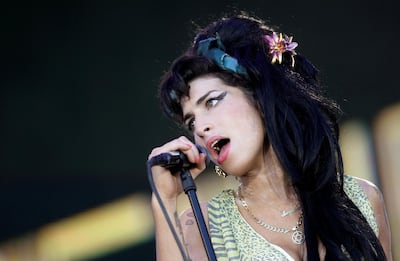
x=190 y=124
x=213 y=101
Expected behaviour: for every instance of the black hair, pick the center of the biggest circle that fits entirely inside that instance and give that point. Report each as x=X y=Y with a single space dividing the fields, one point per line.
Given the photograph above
x=301 y=124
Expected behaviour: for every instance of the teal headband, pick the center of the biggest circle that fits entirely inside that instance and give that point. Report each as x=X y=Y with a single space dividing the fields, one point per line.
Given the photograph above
x=213 y=49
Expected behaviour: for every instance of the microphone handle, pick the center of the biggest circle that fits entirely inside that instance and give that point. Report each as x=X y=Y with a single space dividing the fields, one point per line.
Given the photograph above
x=175 y=160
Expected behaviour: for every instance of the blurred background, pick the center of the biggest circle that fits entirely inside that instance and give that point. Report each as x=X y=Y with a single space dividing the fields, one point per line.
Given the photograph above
x=79 y=112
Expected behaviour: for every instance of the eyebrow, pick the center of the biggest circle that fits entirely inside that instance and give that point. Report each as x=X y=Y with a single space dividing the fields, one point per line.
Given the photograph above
x=198 y=102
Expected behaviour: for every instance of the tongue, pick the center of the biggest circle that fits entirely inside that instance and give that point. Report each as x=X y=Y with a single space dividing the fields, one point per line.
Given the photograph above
x=223 y=154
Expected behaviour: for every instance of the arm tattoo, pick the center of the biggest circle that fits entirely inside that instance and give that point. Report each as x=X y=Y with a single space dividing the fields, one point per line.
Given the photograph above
x=190 y=221
x=178 y=225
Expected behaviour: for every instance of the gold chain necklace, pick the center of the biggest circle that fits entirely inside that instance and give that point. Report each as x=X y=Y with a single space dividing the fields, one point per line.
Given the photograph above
x=298 y=236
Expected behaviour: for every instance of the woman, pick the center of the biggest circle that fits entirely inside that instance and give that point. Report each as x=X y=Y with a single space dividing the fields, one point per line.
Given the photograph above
x=245 y=95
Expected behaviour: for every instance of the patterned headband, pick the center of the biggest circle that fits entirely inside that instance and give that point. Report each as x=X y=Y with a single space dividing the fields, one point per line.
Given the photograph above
x=213 y=49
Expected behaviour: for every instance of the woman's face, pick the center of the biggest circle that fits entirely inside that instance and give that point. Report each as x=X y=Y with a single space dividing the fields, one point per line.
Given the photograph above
x=223 y=120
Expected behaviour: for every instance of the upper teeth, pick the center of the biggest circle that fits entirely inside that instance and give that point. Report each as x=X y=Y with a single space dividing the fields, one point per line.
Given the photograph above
x=214 y=145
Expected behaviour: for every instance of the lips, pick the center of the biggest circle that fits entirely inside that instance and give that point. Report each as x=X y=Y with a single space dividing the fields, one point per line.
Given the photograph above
x=219 y=148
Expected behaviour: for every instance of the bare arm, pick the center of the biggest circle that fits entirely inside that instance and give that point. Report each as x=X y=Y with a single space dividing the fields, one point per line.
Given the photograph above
x=166 y=245
x=378 y=205
x=187 y=231
x=192 y=235
x=169 y=187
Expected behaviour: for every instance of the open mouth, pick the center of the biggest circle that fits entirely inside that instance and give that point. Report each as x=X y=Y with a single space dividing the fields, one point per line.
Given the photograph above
x=219 y=144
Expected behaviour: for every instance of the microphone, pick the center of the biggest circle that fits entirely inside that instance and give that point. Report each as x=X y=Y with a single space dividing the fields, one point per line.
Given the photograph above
x=175 y=159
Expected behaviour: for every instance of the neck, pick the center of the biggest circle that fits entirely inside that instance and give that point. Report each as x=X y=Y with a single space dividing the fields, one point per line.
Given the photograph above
x=268 y=182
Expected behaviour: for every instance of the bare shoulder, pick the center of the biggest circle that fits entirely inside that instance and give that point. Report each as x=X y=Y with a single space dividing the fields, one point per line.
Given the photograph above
x=376 y=199
x=191 y=233
x=372 y=191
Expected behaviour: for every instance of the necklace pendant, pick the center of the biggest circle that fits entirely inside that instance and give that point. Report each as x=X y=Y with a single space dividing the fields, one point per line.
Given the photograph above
x=285 y=213
x=298 y=237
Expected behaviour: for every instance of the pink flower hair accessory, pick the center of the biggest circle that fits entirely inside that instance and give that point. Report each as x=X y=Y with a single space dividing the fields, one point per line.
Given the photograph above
x=279 y=44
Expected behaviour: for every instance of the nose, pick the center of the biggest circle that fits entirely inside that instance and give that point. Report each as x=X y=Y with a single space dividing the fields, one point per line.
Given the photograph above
x=202 y=128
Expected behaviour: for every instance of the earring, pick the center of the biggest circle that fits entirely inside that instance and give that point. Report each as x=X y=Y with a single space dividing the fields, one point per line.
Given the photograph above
x=220 y=172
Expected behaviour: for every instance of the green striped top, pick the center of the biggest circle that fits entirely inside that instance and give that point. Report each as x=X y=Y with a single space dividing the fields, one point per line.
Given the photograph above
x=234 y=239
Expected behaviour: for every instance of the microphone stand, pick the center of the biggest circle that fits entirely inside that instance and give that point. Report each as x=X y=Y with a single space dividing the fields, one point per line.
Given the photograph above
x=190 y=189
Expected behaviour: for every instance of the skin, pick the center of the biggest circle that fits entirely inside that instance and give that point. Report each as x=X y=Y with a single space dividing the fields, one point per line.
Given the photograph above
x=378 y=205
x=215 y=110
